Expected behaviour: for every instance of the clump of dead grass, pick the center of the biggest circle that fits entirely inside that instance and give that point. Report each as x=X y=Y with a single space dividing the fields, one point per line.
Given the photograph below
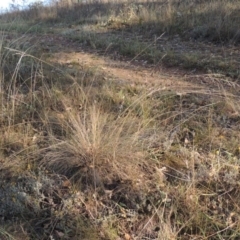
x=99 y=148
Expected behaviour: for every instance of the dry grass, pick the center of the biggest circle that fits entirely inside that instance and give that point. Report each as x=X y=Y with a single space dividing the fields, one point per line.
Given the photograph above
x=99 y=148
x=133 y=28
x=197 y=19
x=86 y=156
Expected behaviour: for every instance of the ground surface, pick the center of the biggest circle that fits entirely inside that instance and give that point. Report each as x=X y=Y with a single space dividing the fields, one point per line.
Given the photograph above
x=189 y=158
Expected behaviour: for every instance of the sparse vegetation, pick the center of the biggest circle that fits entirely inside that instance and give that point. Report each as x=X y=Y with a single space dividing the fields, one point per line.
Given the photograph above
x=120 y=120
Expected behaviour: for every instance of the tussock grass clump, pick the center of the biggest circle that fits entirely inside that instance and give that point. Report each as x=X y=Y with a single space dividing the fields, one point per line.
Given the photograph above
x=99 y=149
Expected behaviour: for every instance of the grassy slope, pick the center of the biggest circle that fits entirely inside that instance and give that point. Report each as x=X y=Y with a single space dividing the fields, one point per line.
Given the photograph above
x=85 y=156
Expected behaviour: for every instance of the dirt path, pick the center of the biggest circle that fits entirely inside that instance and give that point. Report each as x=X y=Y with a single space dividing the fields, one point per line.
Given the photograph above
x=75 y=56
